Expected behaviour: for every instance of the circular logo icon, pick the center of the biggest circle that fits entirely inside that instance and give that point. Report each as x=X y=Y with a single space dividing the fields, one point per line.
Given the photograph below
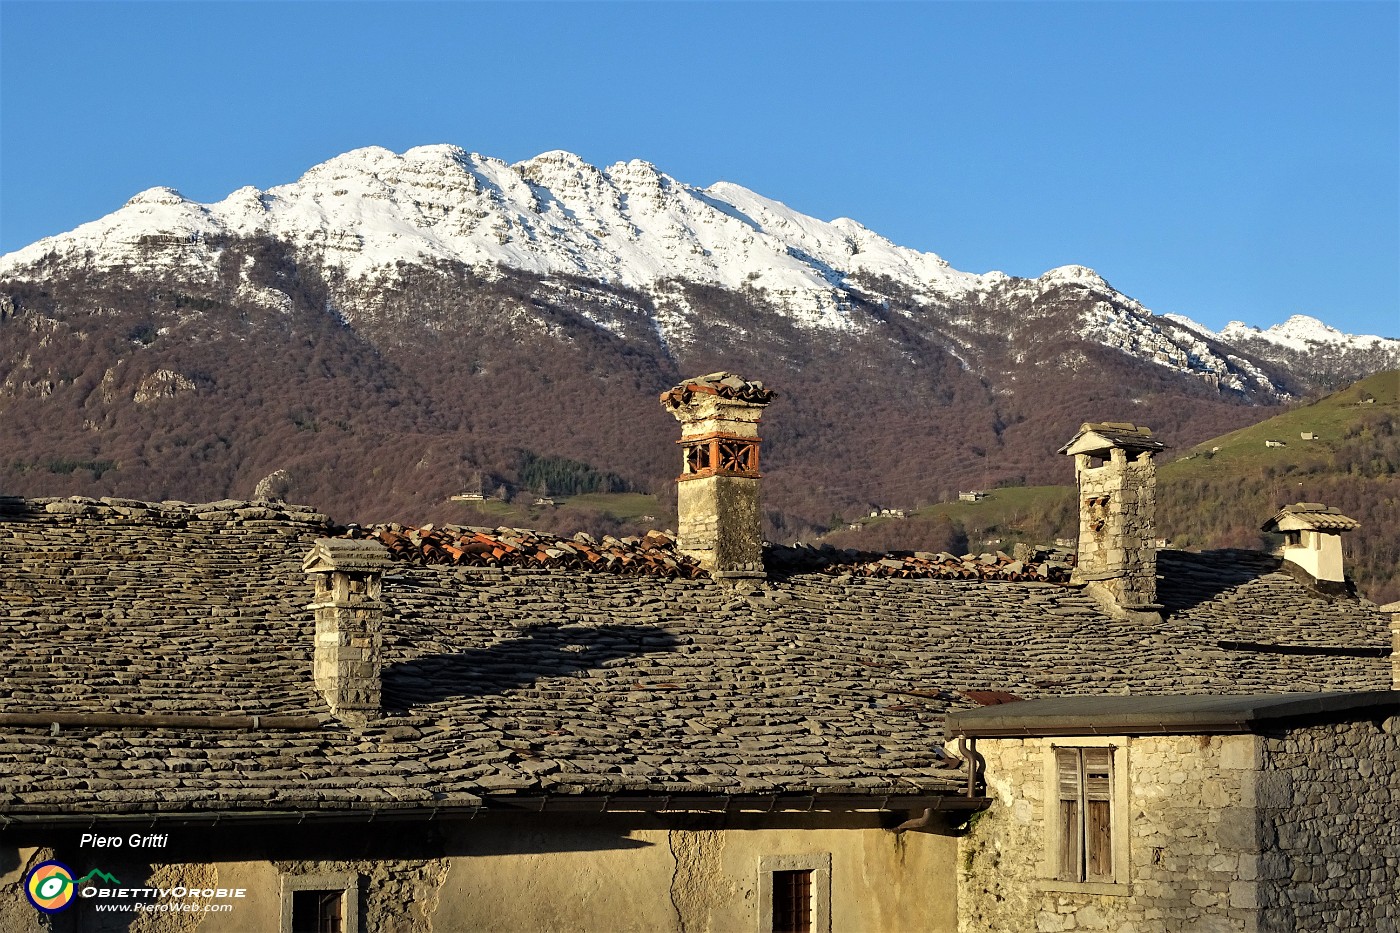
x=50 y=887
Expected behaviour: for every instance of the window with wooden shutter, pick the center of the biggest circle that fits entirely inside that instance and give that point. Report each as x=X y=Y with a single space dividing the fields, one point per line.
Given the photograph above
x=1084 y=791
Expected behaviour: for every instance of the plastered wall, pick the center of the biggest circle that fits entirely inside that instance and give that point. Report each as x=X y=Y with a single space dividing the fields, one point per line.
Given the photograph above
x=555 y=872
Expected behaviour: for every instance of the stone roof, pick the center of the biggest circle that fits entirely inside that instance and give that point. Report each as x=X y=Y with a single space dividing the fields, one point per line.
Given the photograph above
x=1310 y=515
x=186 y=630
x=1094 y=437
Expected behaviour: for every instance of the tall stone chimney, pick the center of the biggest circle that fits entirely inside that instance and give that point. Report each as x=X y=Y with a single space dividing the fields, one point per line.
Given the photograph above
x=1117 y=514
x=348 y=576
x=717 y=491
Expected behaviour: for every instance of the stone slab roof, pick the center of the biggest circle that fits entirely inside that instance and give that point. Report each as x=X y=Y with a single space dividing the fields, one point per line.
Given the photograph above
x=521 y=682
x=1095 y=437
x=1310 y=515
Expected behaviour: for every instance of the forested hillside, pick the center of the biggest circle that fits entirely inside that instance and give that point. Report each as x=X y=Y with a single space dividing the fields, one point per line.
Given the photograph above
x=1217 y=493
x=114 y=384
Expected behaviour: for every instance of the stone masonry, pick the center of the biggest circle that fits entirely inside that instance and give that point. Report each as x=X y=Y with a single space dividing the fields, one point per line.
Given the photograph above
x=1193 y=849
x=1328 y=800
x=1291 y=828
x=348 y=577
x=1117 y=514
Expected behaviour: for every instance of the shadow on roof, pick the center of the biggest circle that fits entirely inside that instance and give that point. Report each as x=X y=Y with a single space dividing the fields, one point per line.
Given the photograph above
x=1189 y=579
x=541 y=652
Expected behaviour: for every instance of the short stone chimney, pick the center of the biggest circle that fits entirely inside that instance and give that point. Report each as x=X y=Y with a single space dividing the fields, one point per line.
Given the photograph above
x=717 y=491
x=1117 y=514
x=1312 y=539
x=348 y=576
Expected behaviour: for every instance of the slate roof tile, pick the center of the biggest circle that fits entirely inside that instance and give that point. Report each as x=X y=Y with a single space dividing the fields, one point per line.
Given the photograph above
x=566 y=679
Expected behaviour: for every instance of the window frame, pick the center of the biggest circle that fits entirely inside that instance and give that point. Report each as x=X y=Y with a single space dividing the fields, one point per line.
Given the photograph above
x=1053 y=872
x=819 y=864
x=345 y=881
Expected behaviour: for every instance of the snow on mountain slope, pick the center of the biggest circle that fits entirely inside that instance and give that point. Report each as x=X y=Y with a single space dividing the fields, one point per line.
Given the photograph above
x=361 y=214
x=629 y=225
x=1301 y=332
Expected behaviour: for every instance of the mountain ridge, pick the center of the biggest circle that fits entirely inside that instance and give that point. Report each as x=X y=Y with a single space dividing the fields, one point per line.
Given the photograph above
x=171 y=350
x=362 y=214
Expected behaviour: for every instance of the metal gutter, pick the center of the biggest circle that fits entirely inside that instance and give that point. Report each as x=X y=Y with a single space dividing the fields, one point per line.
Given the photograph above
x=56 y=721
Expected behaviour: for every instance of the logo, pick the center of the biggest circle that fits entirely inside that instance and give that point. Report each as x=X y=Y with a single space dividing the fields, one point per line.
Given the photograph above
x=98 y=873
x=49 y=887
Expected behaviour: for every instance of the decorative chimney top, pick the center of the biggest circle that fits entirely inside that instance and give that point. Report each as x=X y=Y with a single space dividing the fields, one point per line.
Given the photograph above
x=724 y=385
x=1312 y=538
x=1117 y=515
x=717 y=492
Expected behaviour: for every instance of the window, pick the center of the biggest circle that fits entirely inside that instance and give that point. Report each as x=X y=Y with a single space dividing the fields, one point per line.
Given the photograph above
x=1084 y=781
x=1086 y=815
x=318 y=912
x=325 y=903
x=794 y=893
x=792 y=901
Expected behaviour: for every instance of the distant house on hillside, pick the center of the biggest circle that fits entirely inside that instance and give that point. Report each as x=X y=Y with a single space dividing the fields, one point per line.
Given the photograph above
x=448 y=728
x=1274 y=443
x=973 y=496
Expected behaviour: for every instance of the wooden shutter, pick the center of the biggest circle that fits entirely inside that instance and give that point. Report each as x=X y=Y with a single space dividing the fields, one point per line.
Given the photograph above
x=1084 y=791
x=1070 y=794
x=1098 y=814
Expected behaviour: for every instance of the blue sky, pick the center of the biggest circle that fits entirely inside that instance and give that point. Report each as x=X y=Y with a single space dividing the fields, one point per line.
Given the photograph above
x=1220 y=160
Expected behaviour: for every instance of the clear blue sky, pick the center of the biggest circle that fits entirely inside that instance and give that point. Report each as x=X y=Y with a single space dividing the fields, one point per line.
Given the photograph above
x=1220 y=160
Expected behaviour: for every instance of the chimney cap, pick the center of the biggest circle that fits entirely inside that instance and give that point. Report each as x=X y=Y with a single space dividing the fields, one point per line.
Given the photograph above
x=723 y=384
x=1310 y=516
x=1098 y=436
x=349 y=556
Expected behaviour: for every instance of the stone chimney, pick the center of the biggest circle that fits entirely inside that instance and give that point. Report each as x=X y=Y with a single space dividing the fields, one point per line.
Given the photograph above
x=717 y=491
x=1117 y=515
x=1312 y=539
x=347 y=576
x=1393 y=610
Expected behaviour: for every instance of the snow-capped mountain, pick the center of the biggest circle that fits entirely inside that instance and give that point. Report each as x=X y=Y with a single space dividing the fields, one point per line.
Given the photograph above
x=1304 y=343
x=364 y=216
x=628 y=226
x=387 y=326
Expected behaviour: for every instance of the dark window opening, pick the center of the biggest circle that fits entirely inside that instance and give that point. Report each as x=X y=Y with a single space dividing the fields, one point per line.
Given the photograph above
x=792 y=901
x=318 y=912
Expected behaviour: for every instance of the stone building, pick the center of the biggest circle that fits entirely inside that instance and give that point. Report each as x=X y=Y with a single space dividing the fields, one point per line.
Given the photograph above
x=487 y=729
x=1261 y=813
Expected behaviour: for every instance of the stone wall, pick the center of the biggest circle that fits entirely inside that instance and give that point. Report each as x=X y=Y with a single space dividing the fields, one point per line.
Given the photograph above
x=1332 y=811
x=1192 y=855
